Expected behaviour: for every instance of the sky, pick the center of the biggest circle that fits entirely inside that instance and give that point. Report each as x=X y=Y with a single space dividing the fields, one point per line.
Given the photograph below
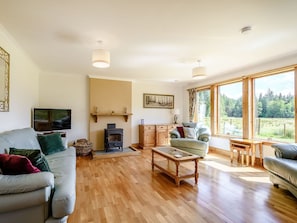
x=283 y=83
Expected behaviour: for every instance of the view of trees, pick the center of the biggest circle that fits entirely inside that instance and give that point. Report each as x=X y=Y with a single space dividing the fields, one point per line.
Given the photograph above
x=230 y=107
x=269 y=105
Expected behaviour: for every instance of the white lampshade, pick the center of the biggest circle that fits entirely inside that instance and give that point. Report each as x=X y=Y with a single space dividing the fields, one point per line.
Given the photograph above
x=198 y=72
x=101 y=58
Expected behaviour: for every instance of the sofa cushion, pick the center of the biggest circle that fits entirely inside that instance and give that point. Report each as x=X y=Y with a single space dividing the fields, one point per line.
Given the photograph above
x=12 y=184
x=190 y=133
x=15 y=164
x=63 y=166
x=190 y=124
x=51 y=143
x=180 y=129
x=190 y=145
x=34 y=155
x=18 y=138
x=287 y=151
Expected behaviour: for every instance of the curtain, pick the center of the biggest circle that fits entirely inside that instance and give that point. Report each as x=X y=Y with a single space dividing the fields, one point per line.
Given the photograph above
x=192 y=103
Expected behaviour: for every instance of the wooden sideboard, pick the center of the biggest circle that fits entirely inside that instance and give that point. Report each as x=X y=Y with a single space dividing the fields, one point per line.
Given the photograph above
x=154 y=135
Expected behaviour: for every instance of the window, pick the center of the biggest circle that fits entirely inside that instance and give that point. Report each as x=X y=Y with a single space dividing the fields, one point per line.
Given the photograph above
x=259 y=106
x=230 y=109
x=274 y=107
x=203 y=107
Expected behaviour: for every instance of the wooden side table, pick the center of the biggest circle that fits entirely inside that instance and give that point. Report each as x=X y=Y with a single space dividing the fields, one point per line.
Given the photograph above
x=246 y=145
x=243 y=152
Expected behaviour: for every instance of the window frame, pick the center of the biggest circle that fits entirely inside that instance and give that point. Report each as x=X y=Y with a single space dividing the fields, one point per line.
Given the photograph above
x=218 y=105
x=197 y=102
x=271 y=73
x=248 y=101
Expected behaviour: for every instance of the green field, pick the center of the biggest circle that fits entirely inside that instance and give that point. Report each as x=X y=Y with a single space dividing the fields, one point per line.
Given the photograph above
x=280 y=129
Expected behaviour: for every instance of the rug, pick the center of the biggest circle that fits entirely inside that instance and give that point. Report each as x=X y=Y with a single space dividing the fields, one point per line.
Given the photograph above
x=115 y=152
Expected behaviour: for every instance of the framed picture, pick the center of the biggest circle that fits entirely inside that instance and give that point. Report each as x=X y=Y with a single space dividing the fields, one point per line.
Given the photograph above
x=158 y=101
x=4 y=80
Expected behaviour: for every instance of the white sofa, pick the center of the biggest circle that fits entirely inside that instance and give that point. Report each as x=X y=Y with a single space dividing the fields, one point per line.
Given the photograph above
x=38 y=197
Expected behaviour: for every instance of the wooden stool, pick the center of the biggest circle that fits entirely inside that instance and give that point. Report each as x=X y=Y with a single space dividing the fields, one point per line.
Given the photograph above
x=243 y=152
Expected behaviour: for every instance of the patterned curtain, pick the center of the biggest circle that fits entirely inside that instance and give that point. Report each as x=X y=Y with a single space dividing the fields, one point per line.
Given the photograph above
x=192 y=103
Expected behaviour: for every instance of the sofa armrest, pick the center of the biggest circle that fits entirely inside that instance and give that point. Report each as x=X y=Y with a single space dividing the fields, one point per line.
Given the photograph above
x=204 y=134
x=204 y=137
x=174 y=134
x=286 y=151
x=12 y=184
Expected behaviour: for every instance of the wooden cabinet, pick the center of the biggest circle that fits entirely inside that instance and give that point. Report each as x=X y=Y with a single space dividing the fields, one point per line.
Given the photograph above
x=161 y=135
x=154 y=135
x=147 y=136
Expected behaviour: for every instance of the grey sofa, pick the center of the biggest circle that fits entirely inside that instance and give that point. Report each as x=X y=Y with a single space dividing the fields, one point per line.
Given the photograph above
x=283 y=167
x=37 y=197
x=191 y=137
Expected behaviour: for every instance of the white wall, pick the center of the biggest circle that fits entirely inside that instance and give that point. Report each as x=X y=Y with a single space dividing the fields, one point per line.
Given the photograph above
x=67 y=91
x=151 y=115
x=23 y=93
x=71 y=91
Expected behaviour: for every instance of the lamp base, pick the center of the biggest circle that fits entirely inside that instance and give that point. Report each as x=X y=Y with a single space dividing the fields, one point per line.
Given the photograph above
x=175 y=119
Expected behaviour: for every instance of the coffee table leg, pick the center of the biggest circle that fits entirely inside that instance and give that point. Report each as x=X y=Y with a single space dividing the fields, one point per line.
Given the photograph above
x=196 y=171
x=152 y=160
x=176 y=174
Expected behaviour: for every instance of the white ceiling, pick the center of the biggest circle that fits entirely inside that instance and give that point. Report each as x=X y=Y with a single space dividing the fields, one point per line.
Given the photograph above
x=151 y=39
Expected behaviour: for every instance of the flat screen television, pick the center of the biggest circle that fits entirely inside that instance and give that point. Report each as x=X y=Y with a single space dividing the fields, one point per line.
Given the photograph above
x=47 y=119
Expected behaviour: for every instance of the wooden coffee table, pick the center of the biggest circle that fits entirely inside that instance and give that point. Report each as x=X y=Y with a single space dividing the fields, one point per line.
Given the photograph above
x=170 y=161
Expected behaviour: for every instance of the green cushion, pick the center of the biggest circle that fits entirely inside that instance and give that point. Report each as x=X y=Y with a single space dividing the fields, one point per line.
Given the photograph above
x=51 y=143
x=34 y=155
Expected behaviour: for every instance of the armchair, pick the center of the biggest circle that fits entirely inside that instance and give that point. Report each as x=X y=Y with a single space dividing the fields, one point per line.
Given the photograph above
x=191 y=137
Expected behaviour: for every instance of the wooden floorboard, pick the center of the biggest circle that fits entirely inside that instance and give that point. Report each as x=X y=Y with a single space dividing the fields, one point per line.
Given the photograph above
x=124 y=189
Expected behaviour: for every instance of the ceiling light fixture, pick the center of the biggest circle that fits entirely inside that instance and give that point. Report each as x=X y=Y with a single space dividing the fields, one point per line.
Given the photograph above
x=199 y=71
x=101 y=57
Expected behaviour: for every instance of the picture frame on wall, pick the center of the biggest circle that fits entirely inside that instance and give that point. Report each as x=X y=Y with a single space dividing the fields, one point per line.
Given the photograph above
x=158 y=101
x=4 y=80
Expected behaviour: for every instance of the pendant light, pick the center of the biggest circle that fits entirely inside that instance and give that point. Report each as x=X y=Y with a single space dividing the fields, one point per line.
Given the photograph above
x=101 y=57
x=199 y=71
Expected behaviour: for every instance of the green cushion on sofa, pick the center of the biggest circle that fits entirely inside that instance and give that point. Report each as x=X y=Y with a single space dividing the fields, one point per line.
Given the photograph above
x=34 y=155
x=51 y=143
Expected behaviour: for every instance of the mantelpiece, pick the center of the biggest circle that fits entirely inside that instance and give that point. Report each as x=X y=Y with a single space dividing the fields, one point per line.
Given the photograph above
x=96 y=115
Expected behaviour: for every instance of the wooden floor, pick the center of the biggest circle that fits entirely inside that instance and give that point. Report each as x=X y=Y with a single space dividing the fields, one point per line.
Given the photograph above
x=124 y=190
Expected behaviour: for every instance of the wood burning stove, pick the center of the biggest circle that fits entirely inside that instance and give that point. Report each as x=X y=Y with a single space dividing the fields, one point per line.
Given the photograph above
x=113 y=137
